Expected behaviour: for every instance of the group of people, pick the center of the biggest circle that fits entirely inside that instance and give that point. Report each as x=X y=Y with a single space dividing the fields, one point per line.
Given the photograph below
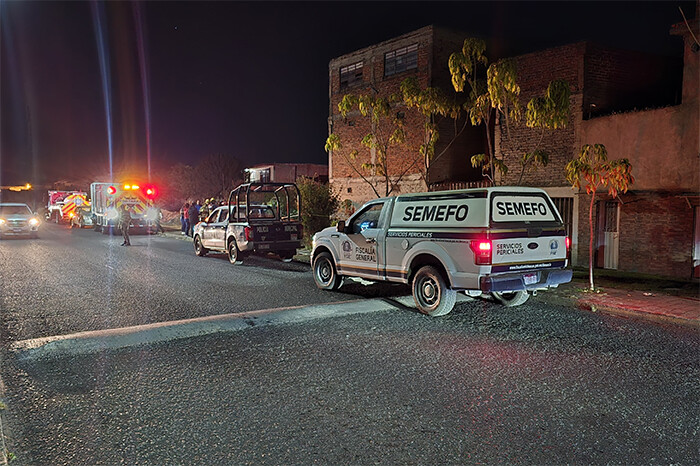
x=192 y=213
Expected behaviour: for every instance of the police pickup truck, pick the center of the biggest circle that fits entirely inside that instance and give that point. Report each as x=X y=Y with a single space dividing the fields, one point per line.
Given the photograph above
x=260 y=217
x=506 y=241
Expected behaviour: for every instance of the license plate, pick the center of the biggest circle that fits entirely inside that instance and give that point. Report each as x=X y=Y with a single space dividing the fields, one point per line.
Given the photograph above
x=264 y=246
x=530 y=278
x=17 y=230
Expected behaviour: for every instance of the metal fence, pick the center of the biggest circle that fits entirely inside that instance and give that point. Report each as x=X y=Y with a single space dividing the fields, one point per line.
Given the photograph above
x=448 y=186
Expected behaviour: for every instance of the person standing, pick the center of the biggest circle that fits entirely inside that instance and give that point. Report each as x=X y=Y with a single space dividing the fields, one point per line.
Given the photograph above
x=184 y=221
x=124 y=224
x=159 y=218
x=193 y=217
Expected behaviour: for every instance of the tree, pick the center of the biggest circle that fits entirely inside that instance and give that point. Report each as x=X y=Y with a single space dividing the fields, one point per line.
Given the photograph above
x=386 y=133
x=592 y=168
x=496 y=98
x=434 y=105
x=217 y=175
x=319 y=203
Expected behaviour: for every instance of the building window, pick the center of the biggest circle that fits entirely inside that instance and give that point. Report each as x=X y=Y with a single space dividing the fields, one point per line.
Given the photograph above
x=400 y=60
x=350 y=75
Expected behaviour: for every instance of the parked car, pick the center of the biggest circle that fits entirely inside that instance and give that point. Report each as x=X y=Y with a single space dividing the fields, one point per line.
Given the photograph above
x=18 y=220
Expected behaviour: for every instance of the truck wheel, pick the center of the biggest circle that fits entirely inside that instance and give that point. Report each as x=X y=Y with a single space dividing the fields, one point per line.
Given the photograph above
x=287 y=256
x=325 y=274
x=234 y=254
x=199 y=249
x=513 y=299
x=431 y=294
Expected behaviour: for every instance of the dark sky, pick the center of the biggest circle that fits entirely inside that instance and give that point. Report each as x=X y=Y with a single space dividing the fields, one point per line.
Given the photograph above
x=245 y=79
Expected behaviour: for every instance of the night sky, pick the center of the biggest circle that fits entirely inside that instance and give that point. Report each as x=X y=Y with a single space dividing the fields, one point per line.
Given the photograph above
x=245 y=79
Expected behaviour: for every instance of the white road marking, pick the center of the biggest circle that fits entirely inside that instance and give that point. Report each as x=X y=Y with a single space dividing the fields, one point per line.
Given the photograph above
x=110 y=339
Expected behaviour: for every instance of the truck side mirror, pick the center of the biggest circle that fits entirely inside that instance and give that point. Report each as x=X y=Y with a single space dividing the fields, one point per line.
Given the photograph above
x=341 y=226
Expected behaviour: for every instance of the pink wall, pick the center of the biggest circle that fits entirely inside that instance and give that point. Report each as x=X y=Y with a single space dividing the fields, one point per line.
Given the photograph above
x=661 y=144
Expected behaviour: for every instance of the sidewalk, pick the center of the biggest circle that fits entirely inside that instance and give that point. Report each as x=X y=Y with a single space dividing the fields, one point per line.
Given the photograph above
x=681 y=310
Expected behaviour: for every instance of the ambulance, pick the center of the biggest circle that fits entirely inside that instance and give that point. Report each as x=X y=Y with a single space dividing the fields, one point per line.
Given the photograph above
x=63 y=205
x=509 y=242
x=108 y=199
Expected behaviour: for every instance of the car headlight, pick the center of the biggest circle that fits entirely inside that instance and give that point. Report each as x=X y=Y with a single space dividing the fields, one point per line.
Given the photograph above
x=33 y=221
x=2 y=221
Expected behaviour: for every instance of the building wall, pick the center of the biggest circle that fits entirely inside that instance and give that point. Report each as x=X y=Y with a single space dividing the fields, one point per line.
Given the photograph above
x=535 y=72
x=661 y=144
x=405 y=162
x=656 y=235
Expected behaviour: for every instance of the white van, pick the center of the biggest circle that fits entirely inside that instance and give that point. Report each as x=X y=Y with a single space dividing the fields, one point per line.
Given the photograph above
x=507 y=241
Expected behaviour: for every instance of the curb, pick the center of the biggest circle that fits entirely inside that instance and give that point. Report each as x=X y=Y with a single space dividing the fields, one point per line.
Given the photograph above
x=586 y=305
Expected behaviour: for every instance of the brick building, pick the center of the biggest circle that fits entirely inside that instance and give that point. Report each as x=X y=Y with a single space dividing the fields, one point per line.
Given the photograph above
x=379 y=70
x=653 y=228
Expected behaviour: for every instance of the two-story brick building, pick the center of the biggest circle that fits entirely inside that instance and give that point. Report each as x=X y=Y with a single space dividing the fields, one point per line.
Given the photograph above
x=654 y=228
x=651 y=228
x=379 y=70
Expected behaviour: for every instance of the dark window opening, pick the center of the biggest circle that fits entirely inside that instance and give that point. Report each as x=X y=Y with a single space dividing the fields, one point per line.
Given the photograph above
x=351 y=75
x=400 y=60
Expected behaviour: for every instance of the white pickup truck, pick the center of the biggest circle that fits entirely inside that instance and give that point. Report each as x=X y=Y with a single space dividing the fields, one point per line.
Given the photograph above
x=507 y=241
x=260 y=217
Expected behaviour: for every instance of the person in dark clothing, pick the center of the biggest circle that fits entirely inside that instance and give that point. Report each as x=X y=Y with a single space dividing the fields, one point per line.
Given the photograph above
x=184 y=220
x=193 y=217
x=124 y=224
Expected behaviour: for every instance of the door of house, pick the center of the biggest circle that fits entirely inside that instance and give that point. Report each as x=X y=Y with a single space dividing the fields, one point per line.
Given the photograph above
x=608 y=235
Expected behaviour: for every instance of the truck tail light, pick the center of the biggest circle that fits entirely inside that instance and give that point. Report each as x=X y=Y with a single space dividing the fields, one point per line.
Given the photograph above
x=248 y=233
x=568 y=247
x=482 y=252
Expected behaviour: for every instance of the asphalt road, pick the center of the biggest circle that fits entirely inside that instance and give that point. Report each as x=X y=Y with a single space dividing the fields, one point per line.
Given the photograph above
x=544 y=383
x=71 y=281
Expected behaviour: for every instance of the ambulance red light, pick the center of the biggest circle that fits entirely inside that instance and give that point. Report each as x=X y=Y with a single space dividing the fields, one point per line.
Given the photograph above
x=150 y=191
x=111 y=190
x=482 y=252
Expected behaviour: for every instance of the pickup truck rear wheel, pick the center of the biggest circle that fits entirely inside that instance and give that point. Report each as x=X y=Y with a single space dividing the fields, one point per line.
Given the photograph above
x=325 y=274
x=513 y=299
x=234 y=254
x=199 y=249
x=287 y=256
x=431 y=294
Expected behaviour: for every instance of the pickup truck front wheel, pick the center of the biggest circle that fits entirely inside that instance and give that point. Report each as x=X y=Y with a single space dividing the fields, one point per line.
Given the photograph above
x=325 y=274
x=431 y=293
x=199 y=249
